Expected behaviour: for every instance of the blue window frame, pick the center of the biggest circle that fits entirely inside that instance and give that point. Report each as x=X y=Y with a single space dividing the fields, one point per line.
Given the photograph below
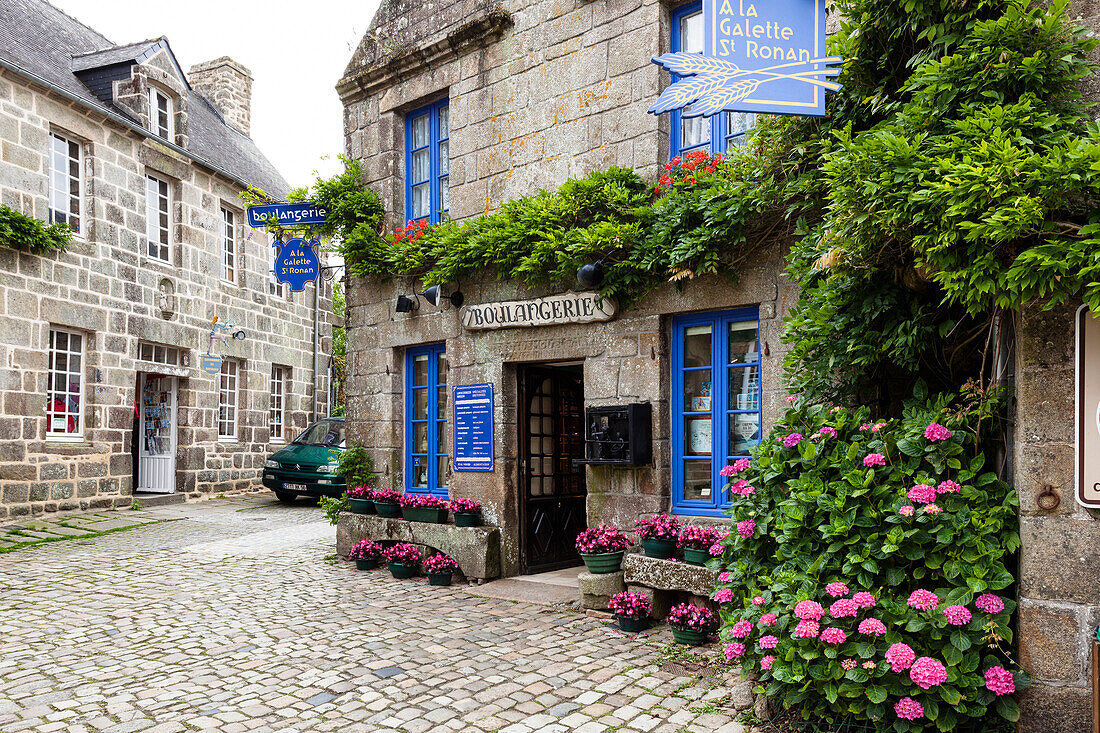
x=717 y=133
x=426 y=458
x=716 y=408
x=427 y=162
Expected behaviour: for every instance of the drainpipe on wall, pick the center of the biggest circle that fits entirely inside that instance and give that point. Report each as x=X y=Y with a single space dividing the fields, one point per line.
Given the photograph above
x=316 y=339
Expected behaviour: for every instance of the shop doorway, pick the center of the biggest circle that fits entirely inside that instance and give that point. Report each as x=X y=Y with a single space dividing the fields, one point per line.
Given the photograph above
x=156 y=433
x=552 y=488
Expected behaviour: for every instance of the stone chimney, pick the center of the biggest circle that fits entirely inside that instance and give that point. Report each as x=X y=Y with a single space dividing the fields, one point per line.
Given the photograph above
x=228 y=86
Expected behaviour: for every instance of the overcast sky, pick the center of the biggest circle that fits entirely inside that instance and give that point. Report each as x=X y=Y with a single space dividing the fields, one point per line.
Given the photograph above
x=296 y=52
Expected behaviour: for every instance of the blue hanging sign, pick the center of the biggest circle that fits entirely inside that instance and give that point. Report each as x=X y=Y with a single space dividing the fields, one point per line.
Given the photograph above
x=286 y=215
x=758 y=56
x=296 y=262
x=473 y=427
x=211 y=364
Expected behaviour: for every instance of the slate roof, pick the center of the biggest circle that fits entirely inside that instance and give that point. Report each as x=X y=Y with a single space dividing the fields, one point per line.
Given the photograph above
x=41 y=40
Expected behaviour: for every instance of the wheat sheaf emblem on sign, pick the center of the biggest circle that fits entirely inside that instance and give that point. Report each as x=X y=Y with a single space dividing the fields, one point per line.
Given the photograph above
x=710 y=84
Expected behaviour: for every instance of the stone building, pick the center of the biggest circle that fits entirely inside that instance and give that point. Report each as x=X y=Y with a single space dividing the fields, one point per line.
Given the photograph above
x=100 y=381
x=458 y=106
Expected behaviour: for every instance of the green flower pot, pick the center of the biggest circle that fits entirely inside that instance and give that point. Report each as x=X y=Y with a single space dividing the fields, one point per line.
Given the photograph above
x=403 y=572
x=603 y=562
x=467 y=519
x=439 y=578
x=422 y=514
x=660 y=549
x=361 y=506
x=367 y=563
x=389 y=509
x=696 y=557
x=632 y=625
x=689 y=637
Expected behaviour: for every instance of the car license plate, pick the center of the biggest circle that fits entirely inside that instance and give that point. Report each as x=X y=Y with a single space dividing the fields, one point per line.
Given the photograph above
x=295 y=487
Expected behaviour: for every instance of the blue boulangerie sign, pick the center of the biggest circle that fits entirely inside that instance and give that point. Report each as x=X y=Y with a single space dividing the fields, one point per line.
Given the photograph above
x=473 y=427
x=286 y=215
x=759 y=56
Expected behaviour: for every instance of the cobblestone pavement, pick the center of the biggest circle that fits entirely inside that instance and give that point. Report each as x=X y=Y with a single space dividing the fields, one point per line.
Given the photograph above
x=231 y=619
x=23 y=532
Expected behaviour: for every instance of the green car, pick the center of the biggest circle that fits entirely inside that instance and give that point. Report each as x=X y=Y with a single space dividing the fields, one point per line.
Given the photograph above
x=308 y=465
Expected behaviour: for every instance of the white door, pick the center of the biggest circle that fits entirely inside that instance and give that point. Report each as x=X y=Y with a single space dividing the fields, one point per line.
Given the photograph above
x=157 y=459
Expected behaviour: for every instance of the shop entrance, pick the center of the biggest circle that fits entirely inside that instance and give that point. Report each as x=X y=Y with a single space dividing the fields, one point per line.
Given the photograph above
x=156 y=434
x=552 y=489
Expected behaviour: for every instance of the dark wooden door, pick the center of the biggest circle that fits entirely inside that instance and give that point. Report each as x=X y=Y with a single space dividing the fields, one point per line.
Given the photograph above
x=552 y=490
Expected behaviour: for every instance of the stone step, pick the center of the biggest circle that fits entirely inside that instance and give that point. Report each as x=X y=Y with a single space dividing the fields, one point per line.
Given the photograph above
x=151 y=500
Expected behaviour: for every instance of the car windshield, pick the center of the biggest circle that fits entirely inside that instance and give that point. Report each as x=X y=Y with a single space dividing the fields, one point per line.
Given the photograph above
x=328 y=433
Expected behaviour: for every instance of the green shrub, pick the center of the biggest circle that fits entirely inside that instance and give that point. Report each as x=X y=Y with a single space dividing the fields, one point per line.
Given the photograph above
x=356 y=466
x=26 y=233
x=821 y=511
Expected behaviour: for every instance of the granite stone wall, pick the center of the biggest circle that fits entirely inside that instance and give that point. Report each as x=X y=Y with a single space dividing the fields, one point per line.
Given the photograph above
x=106 y=288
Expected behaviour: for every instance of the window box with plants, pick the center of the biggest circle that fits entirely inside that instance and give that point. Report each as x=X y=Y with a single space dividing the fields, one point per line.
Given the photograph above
x=403 y=560
x=659 y=535
x=387 y=503
x=467 y=512
x=423 y=508
x=365 y=554
x=439 y=568
x=602 y=548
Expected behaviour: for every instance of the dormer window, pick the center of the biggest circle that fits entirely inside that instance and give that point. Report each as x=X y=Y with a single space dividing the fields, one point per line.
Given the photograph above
x=160 y=113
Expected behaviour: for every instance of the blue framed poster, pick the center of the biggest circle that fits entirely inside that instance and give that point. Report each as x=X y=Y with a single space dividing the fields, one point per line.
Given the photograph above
x=758 y=56
x=473 y=427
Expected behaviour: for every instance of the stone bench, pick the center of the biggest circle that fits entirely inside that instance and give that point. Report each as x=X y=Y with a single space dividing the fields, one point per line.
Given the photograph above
x=477 y=549
x=667 y=582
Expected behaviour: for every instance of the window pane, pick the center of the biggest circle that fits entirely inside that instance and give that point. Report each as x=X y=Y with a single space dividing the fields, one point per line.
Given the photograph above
x=420 y=171
x=422 y=205
x=441 y=402
x=697 y=480
x=444 y=123
x=694 y=131
x=420 y=370
x=744 y=389
x=420 y=404
x=441 y=469
x=697 y=391
x=744 y=433
x=691 y=33
x=697 y=346
x=420 y=472
x=738 y=123
x=420 y=437
x=440 y=437
x=444 y=158
x=420 y=131
x=698 y=436
x=441 y=368
x=743 y=337
x=444 y=193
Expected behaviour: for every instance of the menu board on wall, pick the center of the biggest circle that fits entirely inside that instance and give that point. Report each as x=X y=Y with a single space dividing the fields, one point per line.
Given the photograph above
x=1088 y=408
x=473 y=427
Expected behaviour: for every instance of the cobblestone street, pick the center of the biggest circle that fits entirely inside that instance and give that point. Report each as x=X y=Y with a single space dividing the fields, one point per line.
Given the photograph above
x=226 y=616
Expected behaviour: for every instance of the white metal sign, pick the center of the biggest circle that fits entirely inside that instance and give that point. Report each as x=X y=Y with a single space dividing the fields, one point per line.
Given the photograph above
x=549 y=311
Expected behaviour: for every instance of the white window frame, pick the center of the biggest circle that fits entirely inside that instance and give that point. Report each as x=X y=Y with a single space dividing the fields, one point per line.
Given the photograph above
x=277 y=427
x=76 y=436
x=153 y=210
x=168 y=130
x=228 y=400
x=159 y=353
x=229 y=245
x=56 y=194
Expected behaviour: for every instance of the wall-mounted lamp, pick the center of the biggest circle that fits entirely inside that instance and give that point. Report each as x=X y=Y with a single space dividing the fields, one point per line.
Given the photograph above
x=405 y=304
x=591 y=275
x=435 y=296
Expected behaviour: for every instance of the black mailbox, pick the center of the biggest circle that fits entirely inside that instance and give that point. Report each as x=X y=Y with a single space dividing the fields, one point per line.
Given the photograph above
x=618 y=436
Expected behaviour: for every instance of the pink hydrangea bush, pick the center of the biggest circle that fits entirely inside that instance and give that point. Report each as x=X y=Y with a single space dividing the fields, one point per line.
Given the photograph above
x=854 y=624
x=601 y=539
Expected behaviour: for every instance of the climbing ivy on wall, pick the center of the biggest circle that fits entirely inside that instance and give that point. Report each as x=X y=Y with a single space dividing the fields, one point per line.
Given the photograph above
x=955 y=176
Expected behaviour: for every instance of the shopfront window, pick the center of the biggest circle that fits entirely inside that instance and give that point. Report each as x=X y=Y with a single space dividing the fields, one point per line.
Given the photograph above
x=715 y=404
x=426 y=457
x=65 y=390
x=717 y=133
